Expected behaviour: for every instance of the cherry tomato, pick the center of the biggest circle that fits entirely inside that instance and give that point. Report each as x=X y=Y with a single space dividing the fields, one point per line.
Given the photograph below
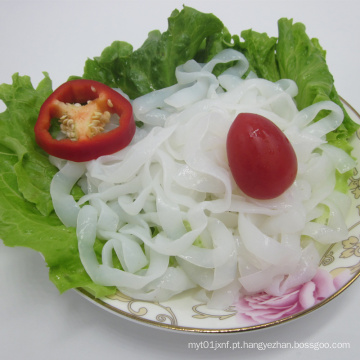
x=261 y=158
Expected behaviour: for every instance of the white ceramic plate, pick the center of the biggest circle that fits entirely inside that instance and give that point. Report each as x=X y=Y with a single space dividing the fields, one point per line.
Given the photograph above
x=339 y=268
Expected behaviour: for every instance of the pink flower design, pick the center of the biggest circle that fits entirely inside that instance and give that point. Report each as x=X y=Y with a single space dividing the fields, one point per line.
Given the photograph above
x=263 y=308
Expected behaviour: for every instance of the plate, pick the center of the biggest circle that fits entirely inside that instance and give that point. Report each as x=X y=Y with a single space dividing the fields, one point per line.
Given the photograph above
x=339 y=267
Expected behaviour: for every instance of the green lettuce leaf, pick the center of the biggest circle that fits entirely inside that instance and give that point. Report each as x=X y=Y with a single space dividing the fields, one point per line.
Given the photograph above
x=153 y=65
x=31 y=165
x=303 y=60
x=260 y=50
x=293 y=55
x=26 y=212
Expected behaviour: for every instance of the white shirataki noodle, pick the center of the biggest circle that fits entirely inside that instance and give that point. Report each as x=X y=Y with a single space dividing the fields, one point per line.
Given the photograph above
x=167 y=206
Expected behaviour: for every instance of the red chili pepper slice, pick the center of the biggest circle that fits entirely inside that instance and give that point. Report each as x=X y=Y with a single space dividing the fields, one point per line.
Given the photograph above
x=83 y=108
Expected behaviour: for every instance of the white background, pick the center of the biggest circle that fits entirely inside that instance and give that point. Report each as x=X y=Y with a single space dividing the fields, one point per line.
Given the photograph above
x=58 y=36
